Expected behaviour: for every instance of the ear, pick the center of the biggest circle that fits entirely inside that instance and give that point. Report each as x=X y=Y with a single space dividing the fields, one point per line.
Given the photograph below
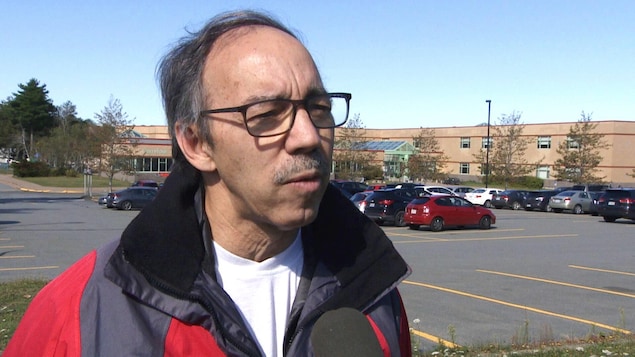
x=194 y=147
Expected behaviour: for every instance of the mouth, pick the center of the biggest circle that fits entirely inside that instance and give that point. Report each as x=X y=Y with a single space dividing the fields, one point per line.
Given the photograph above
x=306 y=181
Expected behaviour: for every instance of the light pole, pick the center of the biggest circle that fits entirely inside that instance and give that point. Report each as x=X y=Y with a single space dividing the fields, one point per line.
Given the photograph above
x=489 y=108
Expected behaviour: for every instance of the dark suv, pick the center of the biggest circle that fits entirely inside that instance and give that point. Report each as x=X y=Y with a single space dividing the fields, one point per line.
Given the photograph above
x=513 y=199
x=539 y=200
x=389 y=205
x=617 y=203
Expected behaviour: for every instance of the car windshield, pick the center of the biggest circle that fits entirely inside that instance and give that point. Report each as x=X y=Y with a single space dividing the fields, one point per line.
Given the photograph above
x=358 y=197
x=420 y=201
x=567 y=193
x=478 y=190
x=617 y=194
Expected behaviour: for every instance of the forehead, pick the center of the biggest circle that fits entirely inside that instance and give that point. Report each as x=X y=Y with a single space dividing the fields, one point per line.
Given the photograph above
x=259 y=61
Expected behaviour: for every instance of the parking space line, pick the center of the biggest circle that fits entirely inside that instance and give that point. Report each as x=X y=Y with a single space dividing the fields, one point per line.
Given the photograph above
x=30 y=268
x=434 y=339
x=490 y=238
x=602 y=270
x=554 y=282
x=518 y=306
x=16 y=256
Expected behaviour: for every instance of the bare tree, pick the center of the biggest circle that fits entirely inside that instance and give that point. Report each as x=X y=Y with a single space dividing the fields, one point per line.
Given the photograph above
x=351 y=159
x=117 y=139
x=429 y=160
x=580 y=153
x=507 y=161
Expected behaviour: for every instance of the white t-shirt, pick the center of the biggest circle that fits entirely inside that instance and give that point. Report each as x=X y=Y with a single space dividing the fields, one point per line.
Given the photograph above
x=264 y=292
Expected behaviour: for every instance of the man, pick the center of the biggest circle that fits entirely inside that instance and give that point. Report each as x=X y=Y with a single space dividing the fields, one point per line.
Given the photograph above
x=246 y=245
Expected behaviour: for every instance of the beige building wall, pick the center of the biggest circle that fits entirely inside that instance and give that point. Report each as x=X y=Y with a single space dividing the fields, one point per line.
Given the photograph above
x=619 y=157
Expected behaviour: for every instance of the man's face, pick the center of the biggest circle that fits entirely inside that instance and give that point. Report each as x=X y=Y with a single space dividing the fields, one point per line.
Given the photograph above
x=280 y=180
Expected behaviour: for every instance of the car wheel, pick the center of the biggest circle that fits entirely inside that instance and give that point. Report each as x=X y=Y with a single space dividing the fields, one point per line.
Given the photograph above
x=548 y=209
x=487 y=204
x=516 y=206
x=399 y=221
x=437 y=224
x=413 y=226
x=485 y=222
x=577 y=209
x=609 y=219
x=126 y=205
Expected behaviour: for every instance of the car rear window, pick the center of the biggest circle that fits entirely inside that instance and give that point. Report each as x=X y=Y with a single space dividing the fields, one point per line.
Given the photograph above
x=618 y=193
x=420 y=201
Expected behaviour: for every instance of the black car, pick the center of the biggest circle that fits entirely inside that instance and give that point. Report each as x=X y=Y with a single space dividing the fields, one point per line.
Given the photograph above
x=595 y=198
x=131 y=197
x=349 y=188
x=539 y=200
x=389 y=205
x=617 y=203
x=513 y=199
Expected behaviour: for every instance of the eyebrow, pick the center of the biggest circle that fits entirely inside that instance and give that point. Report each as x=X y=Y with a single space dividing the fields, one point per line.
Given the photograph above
x=313 y=91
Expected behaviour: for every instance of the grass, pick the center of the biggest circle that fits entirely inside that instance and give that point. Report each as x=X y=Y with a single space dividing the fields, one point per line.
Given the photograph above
x=14 y=298
x=68 y=182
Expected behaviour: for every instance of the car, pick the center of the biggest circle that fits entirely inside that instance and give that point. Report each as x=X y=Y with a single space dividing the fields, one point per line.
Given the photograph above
x=617 y=203
x=389 y=205
x=576 y=201
x=513 y=199
x=409 y=185
x=595 y=196
x=461 y=190
x=103 y=199
x=433 y=190
x=145 y=183
x=352 y=187
x=442 y=211
x=131 y=197
x=482 y=196
x=359 y=199
x=591 y=187
x=539 y=200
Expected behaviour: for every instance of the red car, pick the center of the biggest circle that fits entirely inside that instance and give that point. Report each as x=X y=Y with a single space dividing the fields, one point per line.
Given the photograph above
x=439 y=212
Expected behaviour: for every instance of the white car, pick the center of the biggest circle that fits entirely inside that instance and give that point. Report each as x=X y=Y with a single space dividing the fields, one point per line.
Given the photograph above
x=482 y=196
x=433 y=190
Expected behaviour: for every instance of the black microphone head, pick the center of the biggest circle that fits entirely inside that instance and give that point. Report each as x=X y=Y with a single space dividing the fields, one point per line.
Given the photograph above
x=344 y=332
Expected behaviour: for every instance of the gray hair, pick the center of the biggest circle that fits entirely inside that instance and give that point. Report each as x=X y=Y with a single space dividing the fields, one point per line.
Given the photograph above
x=180 y=72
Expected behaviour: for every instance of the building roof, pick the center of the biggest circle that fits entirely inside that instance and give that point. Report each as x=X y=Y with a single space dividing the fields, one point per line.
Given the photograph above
x=384 y=145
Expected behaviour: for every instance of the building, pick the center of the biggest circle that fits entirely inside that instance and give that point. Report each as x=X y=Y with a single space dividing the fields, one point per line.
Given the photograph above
x=393 y=146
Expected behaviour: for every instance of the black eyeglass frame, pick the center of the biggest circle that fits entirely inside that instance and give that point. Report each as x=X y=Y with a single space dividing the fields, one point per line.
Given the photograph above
x=295 y=102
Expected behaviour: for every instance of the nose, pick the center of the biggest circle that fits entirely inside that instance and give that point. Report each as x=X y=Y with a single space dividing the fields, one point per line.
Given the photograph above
x=303 y=136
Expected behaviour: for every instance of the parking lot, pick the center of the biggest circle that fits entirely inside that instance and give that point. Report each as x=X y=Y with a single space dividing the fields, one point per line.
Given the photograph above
x=534 y=276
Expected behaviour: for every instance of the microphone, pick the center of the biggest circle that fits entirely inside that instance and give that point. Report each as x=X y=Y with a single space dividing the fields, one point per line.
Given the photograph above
x=344 y=332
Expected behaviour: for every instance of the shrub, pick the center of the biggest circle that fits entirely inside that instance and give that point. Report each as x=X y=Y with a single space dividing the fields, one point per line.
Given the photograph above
x=71 y=173
x=30 y=169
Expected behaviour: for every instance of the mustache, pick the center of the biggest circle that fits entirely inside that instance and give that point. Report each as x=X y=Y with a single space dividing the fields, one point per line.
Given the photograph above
x=302 y=163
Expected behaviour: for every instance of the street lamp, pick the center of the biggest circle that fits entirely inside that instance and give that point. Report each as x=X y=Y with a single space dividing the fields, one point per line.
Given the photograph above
x=489 y=108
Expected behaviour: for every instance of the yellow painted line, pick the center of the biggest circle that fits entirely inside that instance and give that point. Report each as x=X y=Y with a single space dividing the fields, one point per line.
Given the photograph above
x=518 y=306
x=30 y=268
x=489 y=238
x=434 y=339
x=602 y=270
x=11 y=246
x=557 y=283
x=17 y=256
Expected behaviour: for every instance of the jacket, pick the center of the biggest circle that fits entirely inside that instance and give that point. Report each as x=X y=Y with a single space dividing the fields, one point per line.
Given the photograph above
x=153 y=292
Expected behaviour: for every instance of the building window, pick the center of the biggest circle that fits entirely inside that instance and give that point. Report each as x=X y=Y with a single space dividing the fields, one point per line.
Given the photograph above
x=464 y=168
x=465 y=143
x=484 y=142
x=572 y=144
x=544 y=142
x=153 y=164
x=542 y=172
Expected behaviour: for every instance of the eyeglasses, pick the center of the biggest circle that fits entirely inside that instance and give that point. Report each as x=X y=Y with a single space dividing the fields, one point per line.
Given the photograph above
x=276 y=116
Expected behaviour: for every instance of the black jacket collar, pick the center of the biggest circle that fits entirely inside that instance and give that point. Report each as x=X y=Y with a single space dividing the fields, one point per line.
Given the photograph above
x=165 y=242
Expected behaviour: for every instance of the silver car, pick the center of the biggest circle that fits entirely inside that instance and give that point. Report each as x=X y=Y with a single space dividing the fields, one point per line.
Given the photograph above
x=576 y=201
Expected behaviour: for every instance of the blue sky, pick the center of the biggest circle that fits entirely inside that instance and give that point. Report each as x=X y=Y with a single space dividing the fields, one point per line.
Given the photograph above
x=408 y=64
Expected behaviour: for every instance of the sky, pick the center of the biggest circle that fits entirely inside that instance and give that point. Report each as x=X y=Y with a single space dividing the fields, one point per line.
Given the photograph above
x=408 y=64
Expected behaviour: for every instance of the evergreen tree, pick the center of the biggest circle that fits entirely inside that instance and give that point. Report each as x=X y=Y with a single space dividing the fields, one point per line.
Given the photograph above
x=580 y=153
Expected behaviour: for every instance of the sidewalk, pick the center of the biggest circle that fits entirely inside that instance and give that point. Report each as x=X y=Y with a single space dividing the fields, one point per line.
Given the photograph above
x=27 y=186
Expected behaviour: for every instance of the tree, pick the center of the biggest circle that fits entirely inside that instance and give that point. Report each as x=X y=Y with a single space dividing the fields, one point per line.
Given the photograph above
x=429 y=160
x=351 y=160
x=580 y=153
x=33 y=113
x=507 y=161
x=117 y=142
